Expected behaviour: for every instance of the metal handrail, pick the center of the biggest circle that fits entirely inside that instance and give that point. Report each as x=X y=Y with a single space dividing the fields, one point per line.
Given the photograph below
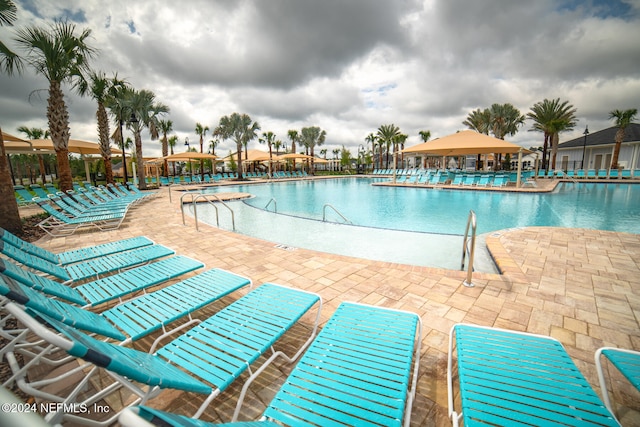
x=471 y=221
x=564 y=175
x=176 y=185
x=324 y=213
x=275 y=204
x=194 y=201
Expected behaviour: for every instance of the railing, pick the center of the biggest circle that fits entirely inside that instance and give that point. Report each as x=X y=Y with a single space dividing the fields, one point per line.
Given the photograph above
x=177 y=185
x=275 y=205
x=471 y=222
x=324 y=213
x=564 y=175
x=194 y=202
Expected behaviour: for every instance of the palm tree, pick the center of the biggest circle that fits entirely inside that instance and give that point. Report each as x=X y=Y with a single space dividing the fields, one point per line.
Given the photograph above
x=622 y=118
x=213 y=143
x=171 y=142
x=61 y=57
x=165 y=127
x=425 y=135
x=146 y=111
x=479 y=120
x=371 y=139
x=311 y=137
x=100 y=87
x=294 y=136
x=268 y=138
x=387 y=135
x=10 y=63
x=36 y=133
x=202 y=132
x=241 y=129
x=505 y=120
x=551 y=117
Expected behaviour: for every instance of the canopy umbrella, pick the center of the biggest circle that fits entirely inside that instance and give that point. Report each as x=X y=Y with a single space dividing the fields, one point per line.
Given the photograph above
x=188 y=155
x=465 y=142
x=7 y=137
x=45 y=146
x=468 y=142
x=294 y=156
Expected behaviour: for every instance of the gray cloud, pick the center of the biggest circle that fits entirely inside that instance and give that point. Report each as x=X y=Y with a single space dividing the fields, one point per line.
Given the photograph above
x=349 y=66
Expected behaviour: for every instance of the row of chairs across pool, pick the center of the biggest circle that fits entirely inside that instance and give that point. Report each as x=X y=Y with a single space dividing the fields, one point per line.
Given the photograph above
x=591 y=174
x=362 y=368
x=102 y=207
x=207 y=179
x=461 y=178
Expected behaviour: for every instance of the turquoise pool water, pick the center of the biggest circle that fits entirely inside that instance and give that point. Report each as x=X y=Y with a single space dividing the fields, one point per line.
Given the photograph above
x=415 y=226
x=613 y=207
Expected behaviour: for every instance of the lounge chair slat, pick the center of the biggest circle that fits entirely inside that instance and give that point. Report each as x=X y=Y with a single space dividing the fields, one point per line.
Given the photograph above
x=113 y=287
x=508 y=377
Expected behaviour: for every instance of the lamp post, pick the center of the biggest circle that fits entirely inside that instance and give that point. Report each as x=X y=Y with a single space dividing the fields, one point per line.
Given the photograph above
x=584 y=146
x=186 y=144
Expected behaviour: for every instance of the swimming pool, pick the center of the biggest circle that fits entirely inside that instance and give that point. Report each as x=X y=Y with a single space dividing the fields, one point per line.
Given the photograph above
x=425 y=216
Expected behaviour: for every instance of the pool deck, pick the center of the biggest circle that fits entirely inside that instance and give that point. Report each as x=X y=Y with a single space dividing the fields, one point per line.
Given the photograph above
x=579 y=286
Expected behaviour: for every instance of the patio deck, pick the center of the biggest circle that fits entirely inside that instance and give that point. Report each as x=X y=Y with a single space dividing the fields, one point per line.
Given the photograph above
x=579 y=286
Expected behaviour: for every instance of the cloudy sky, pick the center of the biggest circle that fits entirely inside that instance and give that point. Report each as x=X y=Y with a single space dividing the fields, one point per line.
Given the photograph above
x=347 y=66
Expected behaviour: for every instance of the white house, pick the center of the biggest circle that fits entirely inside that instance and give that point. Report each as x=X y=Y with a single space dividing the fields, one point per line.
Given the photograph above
x=595 y=150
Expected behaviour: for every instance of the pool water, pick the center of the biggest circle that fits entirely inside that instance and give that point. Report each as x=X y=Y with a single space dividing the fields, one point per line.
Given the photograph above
x=416 y=225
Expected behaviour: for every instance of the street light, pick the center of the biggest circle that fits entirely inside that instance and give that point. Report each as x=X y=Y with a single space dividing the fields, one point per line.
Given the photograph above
x=186 y=142
x=584 y=146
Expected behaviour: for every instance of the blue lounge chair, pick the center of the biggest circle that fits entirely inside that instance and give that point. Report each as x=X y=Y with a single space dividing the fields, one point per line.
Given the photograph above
x=500 y=181
x=94 y=267
x=591 y=173
x=459 y=179
x=58 y=224
x=205 y=360
x=613 y=174
x=75 y=255
x=50 y=188
x=626 y=173
x=580 y=174
x=136 y=318
x=356 y=372
x=485 y=180
x=109 y=288
x=602 y=173
x=626 y=361
x=24 y=197
x=513 y=378
x=470 y=179
x=39 y=191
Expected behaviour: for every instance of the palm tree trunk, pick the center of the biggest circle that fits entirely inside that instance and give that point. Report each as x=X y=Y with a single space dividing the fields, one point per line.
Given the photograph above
x=616 y=149
x=239 y=166
x=9 y=214
x=105 y=149
x=43 y=174
x=58 y=118
x=554 y=150
x=142 y=182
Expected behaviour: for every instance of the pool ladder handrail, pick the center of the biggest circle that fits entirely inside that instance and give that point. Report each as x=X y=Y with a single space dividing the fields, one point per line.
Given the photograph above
x=471 y=222
x=324 y=213
x=275 y=204
x=194 y=201
x=564 y=175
